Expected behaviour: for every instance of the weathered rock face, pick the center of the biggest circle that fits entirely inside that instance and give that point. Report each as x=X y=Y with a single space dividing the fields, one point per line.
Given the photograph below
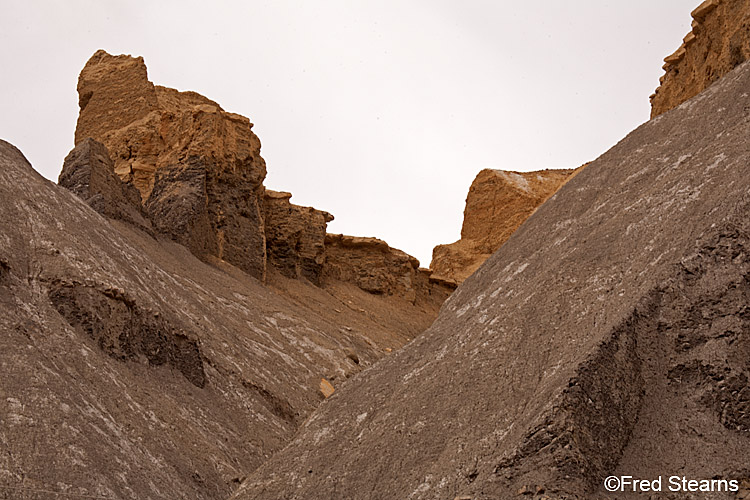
x=197 y=167
x=718 y=42
x=374 y=266
x=295 y=236
x=89 y=173
x=200 y=175
x=497 y=204
x=131 y=369
x=607 y=336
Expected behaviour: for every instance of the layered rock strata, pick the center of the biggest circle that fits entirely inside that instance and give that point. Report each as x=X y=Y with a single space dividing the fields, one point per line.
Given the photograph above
x=498 y=203
x=200 y=177
x=375 y=267
x=718 y=42
x=607 y=336
x=198 y=168
x=295 y=236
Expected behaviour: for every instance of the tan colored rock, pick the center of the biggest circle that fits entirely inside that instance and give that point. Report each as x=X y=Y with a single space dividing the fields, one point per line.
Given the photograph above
x=676 y=56
x=718 y=42
x=498 y=203
x=454 y=262
x=295 y=236
x=198 y=168
x=326 y=388
x=374 y=266
x=199 y=173
x=703 y=9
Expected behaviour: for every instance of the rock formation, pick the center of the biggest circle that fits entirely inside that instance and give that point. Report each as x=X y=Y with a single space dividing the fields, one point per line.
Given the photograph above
x=200 y=176
x=498 y=203
x=131 y=369
x=295 y=236
x=718 y=42
x=375 y=267
x=197 y=167
x=88 y=172
x=607 y=336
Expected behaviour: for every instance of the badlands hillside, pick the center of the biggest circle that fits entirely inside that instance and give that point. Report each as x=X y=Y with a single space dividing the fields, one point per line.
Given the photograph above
x=608 y=335
x=169 y=323
x=171 y=329
x=499 y=201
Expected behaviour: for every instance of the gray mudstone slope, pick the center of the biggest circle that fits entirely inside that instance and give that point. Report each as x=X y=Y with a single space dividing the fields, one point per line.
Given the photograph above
x=129 y=369
x=610 y=334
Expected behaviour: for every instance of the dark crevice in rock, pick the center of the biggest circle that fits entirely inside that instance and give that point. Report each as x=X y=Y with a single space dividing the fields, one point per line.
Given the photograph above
x=276 y=405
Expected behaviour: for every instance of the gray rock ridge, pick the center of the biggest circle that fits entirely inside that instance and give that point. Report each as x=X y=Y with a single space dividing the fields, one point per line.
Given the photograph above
x=608 y=334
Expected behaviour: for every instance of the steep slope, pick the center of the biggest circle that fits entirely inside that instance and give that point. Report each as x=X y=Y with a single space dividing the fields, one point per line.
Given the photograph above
x=131 y=369
x=609 y=333
x=719 y=41
x=498 y=203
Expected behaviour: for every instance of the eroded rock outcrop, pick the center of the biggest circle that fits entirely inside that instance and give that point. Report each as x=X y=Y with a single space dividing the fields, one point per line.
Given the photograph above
x=130 y=368
x=607 y=336
x=125 y=331
x=498 y=203
x=200 y=176
x=375 y=267
x=295 y=236
x=718 y=42
x=198 y=168
x=89 y=173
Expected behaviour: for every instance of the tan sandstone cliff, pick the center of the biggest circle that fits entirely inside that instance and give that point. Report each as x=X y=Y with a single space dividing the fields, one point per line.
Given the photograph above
x=498 y=203
x=375 y=267
x=200 y=177
x=197 y=167
x=718 y=42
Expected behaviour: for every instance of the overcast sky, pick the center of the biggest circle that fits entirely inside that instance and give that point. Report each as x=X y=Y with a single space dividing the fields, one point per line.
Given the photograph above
x=380 y=112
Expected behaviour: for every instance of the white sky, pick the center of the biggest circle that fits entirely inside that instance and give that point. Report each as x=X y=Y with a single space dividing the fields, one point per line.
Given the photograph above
x=380 y=112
